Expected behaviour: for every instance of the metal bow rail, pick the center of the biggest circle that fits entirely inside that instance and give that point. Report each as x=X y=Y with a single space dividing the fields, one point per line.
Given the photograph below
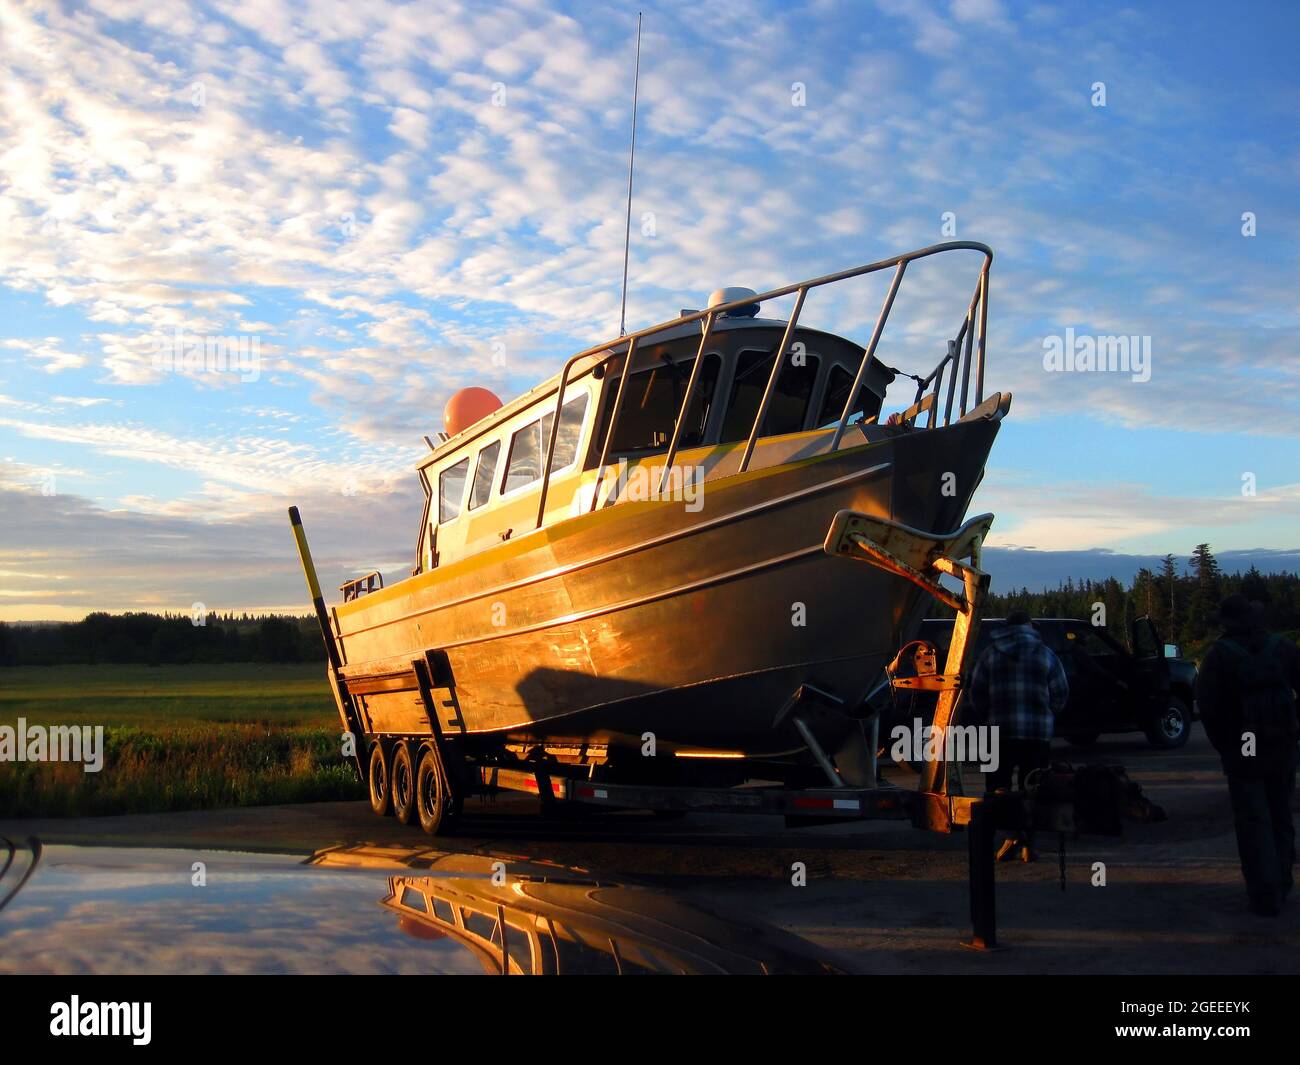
x=965 y=349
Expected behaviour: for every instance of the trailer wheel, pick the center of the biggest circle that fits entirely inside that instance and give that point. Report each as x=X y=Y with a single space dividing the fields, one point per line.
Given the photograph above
x=377 y=782
x=403 y=784
x=431 y=794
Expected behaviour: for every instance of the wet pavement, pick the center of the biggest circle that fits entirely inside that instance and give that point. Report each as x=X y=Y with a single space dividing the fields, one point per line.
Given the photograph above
x=879 y=896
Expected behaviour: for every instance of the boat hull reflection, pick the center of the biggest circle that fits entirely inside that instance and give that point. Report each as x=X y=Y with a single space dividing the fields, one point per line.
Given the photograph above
x=564 y=924
x=130 y=910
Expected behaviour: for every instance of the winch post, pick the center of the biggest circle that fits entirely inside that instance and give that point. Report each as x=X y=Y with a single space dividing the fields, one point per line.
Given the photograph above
x=922 y=558
x=342 y=698
x=965 y=630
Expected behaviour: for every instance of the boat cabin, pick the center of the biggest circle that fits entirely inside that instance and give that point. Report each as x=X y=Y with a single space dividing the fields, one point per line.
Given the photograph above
x=484 y=485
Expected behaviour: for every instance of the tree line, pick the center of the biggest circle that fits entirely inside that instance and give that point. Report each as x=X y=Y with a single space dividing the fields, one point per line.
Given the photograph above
x=1181 y=600
x=157 y=639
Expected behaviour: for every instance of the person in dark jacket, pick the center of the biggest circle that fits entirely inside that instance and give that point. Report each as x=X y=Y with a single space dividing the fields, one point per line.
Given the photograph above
x=1246 y=690
x=1019 y=686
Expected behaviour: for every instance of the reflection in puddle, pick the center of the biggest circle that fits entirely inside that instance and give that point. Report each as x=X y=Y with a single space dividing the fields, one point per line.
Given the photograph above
x=140 y=910
x=530 y=927
x=524 y=917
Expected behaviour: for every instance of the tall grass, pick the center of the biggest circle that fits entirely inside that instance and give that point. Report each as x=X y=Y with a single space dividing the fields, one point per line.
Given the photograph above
x=178 y=738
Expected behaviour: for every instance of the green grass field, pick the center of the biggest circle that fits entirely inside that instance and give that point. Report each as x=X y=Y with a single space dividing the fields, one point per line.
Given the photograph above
x=178 y=738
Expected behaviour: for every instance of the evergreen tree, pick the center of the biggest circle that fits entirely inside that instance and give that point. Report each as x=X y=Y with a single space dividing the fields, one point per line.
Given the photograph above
x=1169 y=588
x=1207 y=590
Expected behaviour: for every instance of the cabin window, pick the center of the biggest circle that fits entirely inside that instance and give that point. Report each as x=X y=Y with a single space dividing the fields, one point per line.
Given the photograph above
x=566 y=443
x=451 y=490
x=414 y=900
x=479 y=924
x=528 y=445
x=837 y=391
x=583 y=954
x=519 y=947
x=483 y=474
x=789 y=404
x=651 y=401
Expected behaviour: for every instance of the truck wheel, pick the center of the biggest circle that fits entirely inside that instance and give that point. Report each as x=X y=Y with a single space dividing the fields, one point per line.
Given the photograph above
x=431 y=794
x=377 y=781
x=1173 y=727
x=403 y=784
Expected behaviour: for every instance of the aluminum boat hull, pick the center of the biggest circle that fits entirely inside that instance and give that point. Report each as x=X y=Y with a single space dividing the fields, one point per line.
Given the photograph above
x=644 y=617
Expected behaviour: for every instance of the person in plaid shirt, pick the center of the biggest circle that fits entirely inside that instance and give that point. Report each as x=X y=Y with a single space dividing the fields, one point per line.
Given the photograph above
x=1019 y=686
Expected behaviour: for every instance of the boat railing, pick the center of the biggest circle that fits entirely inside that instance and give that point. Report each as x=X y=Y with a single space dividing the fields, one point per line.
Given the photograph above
x=965 y=350
x=363 y=585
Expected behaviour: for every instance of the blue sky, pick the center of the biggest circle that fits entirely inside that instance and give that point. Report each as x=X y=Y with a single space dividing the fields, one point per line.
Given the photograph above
x=395 y=200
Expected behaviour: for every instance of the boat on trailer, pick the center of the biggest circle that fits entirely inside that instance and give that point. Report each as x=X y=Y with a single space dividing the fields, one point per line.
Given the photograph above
x=633 y=573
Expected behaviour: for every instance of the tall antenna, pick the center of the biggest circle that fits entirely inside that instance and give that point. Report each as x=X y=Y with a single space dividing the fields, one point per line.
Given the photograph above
x=631 y=160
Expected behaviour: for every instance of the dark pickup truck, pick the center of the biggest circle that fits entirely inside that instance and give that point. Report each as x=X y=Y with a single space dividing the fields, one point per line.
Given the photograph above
x=1113 y=688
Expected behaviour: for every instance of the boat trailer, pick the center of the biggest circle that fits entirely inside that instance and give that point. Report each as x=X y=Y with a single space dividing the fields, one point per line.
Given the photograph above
x=936 y=805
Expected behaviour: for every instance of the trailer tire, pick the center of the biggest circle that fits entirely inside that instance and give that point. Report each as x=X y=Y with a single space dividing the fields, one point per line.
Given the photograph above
x=402 y=776
x=377 y=781
x=431 y=794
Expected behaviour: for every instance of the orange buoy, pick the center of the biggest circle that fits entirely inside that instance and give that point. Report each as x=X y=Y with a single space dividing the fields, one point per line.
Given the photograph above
x=466 y=407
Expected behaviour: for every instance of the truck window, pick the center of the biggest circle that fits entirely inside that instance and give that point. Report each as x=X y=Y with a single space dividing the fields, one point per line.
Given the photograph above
x=451 y=490
x=484 y=471
x=1091 y=643
x=651 y=401
x=789 y=404
x=1146 y=641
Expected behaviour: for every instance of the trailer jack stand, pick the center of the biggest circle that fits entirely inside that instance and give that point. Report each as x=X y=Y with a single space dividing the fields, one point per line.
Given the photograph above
x=981 y=840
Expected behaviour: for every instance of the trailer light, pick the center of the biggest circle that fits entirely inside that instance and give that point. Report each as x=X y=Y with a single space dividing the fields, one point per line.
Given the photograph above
x=709 y=754
x=827 y=804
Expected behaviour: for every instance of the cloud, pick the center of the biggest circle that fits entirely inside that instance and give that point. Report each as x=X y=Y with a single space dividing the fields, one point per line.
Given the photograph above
x=1073 y=516
x=81 y=401
x=49 y=352
x=66 y=556
x=337 y=180
x=238 y=476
